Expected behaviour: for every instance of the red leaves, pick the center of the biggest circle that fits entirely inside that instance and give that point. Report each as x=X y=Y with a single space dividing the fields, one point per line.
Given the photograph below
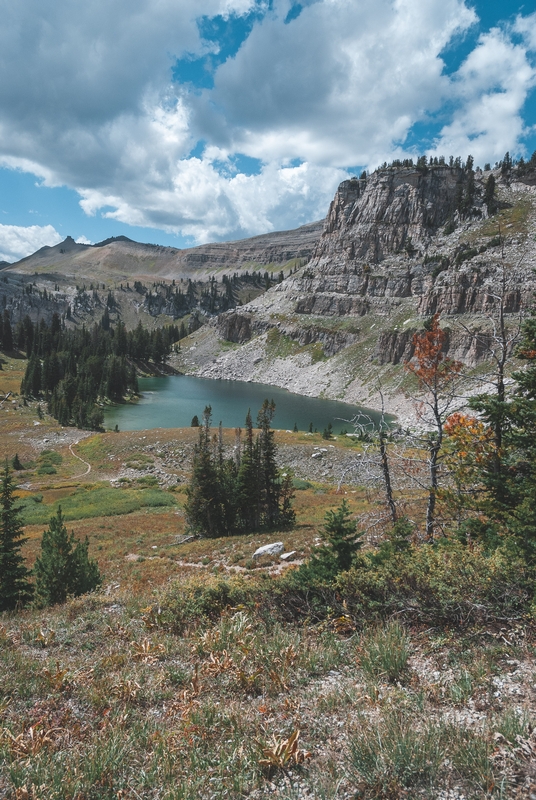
x=431 y=367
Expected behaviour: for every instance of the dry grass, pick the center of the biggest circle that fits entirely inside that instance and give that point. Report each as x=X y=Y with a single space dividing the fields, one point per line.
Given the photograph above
x=100 y=699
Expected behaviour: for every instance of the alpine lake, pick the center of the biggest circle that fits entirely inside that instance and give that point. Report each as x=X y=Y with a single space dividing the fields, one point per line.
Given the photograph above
x=173 y=401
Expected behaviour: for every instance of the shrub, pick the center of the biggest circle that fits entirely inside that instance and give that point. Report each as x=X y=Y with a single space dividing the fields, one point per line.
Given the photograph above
x=445 y=582
x=203 y=598
x=342 y=542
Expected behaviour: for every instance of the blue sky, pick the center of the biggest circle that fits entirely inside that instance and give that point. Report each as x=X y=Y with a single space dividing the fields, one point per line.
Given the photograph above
x=186 y=121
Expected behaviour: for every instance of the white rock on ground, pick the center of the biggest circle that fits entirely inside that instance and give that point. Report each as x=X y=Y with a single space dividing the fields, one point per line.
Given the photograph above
x=269 y=550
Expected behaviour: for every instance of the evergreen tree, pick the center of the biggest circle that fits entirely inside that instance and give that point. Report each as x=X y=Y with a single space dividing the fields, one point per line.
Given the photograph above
x=248 y=489
x=15 y=589
x=243 y=494
x=203 y=494
x=268 y=472
x=64 y=567
x=342 y=542
x=342 y=537
x=489 y=195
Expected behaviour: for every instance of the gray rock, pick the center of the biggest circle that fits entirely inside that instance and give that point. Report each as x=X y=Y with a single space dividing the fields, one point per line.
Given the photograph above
x=269 y=550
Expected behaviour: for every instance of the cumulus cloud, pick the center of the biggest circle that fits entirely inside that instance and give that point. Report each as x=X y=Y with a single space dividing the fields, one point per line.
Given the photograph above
x=17 y=242
x=491 y=86
x=340 y=85
x=87 y=100
x=203 y=201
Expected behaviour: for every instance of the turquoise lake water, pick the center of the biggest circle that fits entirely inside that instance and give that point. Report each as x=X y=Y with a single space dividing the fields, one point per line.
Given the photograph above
x=171 y=402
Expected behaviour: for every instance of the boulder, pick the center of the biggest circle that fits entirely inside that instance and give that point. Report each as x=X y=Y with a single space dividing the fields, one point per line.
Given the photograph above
x=269 y=550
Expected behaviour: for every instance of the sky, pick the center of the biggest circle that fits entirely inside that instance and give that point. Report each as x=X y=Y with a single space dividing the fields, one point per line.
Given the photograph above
x=180 y=122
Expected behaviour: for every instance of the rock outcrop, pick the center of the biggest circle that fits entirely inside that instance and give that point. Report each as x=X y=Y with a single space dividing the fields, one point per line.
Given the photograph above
x=399 y=236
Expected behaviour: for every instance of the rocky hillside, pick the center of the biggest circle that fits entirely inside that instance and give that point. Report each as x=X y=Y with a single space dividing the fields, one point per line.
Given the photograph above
x=396 y=248
x=150 y=283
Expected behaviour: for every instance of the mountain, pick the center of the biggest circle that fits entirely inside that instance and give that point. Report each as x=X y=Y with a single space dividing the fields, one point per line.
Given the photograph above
x=120 y=259
x=396 y=248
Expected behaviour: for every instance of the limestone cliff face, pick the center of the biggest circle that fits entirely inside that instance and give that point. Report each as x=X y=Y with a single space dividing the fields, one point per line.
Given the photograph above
x=398 y=236
x=395 y=245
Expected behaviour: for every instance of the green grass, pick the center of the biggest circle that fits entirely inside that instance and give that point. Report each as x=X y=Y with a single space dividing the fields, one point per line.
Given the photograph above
x=95 y=501
x=392 y=754
x=278 y=345
x=386 y=652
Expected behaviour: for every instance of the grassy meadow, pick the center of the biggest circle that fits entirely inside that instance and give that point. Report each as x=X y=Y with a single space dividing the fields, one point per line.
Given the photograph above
x=198 y=672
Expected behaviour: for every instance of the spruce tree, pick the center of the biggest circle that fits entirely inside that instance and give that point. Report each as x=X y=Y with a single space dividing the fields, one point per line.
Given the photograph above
x=342 y=541
x=7 y=333
x=64 y=567
x=203 y=507
x=268 y=472
x=248 y=493
x=15 y=589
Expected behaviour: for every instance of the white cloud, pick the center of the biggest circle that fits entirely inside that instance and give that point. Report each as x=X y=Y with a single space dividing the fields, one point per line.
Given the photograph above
x=492 y=86
x=339 y=85
x=83 y=240
x=86 y=100
x=17 y=242
x=207 y=205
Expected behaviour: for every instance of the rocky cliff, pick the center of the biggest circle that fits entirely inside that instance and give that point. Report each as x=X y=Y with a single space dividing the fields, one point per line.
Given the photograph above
x=396 y=248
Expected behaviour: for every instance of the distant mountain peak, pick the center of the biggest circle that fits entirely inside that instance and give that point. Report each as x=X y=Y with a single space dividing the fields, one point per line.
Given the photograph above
x=113 y=239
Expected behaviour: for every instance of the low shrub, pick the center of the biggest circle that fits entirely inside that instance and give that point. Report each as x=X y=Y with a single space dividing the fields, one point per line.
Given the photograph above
x=447 y=582
x=204 y=598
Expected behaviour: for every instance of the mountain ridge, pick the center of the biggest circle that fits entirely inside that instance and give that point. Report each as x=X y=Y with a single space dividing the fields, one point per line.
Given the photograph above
x=120 y=259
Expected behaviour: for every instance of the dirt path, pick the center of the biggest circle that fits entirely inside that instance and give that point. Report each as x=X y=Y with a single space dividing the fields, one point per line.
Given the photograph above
x=88 y=470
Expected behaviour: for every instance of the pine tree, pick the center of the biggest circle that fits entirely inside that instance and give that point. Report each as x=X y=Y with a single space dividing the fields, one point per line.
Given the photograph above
x=268 y=472
x=15 y=589
x=342 y=542
x=239 y=495
x=7 y=333
x=64 y=567
x=202 y=507
x=248 y=494
x=489 y=195
x=343 y=538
